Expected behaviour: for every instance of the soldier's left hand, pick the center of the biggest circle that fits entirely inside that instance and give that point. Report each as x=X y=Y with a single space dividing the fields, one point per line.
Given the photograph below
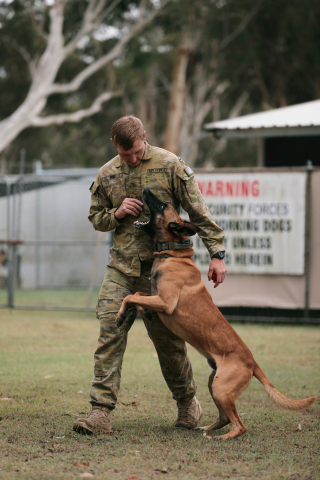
x=218 y=267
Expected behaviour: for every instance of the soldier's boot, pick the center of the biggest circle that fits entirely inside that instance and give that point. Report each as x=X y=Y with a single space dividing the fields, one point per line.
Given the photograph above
x=189 y=414
x=98 y=420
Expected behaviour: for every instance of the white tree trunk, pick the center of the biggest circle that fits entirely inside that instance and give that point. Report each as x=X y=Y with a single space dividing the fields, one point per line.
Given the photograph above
x=45 y=72
x=177 y=95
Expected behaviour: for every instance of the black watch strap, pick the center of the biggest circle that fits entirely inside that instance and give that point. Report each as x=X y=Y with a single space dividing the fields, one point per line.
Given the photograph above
x=219 y=255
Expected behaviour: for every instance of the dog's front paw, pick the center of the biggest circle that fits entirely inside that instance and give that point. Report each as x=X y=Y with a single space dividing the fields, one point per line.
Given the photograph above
x=120 y=318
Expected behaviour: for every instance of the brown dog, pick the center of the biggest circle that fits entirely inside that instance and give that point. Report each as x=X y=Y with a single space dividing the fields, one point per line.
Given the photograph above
x=186 y=308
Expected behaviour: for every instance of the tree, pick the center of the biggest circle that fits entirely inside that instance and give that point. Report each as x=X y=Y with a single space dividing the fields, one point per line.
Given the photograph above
x=59 y=43
x=197 y=88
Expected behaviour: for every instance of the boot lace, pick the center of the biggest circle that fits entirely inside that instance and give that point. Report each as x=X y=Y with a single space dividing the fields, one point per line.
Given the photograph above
x=183 y=411
x=96 y=412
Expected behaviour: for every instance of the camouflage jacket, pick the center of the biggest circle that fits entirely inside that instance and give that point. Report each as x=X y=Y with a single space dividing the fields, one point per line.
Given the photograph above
x=171 y=180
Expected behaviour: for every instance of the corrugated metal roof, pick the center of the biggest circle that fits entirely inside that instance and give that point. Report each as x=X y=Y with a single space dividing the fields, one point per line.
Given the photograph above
x=304 y=117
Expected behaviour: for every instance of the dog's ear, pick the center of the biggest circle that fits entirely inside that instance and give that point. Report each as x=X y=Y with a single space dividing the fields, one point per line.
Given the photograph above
x=187 y=229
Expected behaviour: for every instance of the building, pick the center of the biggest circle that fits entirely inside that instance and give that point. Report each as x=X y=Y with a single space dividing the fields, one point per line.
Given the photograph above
x=287 y=137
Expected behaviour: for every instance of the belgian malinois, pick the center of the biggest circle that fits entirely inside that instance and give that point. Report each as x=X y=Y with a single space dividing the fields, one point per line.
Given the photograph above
x=186 y=308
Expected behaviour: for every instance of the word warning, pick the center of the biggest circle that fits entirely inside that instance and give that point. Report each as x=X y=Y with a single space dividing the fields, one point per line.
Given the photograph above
x=263 y=217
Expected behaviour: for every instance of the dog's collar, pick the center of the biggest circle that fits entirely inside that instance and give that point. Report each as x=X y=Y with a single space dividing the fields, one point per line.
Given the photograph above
x=182 y=245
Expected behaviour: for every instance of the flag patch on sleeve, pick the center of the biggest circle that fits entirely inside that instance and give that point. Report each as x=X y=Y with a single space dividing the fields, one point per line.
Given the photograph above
x=188 y=170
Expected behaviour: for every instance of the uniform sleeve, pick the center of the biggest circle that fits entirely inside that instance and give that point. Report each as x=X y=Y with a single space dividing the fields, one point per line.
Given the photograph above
x=188 y=193
x=101 y=213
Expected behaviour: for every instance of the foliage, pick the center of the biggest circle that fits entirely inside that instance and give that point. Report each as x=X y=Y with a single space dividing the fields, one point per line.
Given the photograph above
x=274 y=58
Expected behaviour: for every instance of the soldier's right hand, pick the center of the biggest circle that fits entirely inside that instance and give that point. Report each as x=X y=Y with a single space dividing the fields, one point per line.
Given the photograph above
x=129 y=206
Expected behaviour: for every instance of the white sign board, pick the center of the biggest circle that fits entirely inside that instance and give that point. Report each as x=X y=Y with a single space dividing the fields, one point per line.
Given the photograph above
x=263 y=217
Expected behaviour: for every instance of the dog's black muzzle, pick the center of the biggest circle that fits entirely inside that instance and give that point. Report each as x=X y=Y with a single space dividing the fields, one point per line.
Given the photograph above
x=154 y=204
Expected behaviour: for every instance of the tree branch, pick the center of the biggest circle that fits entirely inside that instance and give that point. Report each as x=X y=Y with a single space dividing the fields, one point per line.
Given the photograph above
x=238 y=106
x=23 y=52
x=75 y=116
x=39 y=26
x=92 y=18
x=242 y=25
x=101 y=62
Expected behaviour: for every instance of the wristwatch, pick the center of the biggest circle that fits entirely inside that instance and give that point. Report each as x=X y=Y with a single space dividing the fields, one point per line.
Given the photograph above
x=219 y=255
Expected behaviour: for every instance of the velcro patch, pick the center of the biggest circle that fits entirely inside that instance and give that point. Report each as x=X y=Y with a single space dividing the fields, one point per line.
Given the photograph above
x=106 y=180
x=188 y=170
x=157 y=170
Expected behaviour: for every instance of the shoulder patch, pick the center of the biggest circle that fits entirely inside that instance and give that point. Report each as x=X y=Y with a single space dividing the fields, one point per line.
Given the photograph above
x=157 y=170
x=188 y=170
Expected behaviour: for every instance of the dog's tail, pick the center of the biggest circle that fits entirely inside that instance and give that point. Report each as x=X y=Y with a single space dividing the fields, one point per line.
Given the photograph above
x=278 y=398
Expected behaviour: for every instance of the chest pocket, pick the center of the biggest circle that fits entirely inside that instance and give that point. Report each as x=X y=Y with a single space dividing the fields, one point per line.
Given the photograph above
x=114 y=188
x=159 y=182
x=133 y=187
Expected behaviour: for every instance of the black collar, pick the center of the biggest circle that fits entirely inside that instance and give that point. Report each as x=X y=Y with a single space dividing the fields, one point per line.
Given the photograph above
x=182 y=245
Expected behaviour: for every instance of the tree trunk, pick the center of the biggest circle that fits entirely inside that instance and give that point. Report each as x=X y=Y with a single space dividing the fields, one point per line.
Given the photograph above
x=177 y=94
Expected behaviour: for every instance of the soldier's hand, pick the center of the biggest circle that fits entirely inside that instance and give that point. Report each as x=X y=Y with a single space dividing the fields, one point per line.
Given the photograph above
x=218 y=267
x=129 y=206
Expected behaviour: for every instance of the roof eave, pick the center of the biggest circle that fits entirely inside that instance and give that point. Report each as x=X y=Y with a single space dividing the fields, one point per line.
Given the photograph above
x=264 y=132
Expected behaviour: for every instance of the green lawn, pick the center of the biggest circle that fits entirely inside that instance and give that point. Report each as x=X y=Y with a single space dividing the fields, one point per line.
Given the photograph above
x=46 y=369
x=57 y=298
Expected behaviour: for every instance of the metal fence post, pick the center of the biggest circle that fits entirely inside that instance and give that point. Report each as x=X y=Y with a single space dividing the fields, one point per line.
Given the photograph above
x=309 y=170
x=10 y=285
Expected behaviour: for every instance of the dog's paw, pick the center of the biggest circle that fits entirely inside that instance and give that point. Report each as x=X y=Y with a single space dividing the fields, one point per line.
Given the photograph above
x=208 y=428
x=120 y=319
x=221 y=438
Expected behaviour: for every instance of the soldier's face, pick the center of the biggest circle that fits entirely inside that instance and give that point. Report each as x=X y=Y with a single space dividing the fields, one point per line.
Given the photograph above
x=133 y=156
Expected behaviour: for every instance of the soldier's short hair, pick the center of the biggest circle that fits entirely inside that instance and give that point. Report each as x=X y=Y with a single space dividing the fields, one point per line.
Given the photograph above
x=126 y=130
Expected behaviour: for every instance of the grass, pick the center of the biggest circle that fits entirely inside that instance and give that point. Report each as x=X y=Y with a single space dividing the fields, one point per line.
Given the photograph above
x=46 y=370
x=57 y=298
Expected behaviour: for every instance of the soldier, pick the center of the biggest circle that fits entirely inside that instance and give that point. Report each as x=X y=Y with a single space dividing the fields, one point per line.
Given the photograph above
x=116 y=202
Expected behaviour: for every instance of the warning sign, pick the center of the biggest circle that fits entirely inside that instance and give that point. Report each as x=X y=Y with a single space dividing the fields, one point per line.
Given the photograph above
x=263 y=216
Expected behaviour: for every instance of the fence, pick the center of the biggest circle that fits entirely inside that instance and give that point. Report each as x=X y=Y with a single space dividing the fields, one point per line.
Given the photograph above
x=50 y=256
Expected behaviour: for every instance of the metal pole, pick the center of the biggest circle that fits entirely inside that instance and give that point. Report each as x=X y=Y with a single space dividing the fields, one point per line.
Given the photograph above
x=94 y=269
x=10 y=293
x=309 y=170
x=10 y=277
x=38 y=213
x=17 y=208
x=21 y=173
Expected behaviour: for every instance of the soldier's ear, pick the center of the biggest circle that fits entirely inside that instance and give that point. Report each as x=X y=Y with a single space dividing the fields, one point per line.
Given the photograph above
x=187 y=229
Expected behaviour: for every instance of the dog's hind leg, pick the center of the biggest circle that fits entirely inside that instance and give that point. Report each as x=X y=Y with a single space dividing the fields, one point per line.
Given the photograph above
x=223 y=419
x=230 y=381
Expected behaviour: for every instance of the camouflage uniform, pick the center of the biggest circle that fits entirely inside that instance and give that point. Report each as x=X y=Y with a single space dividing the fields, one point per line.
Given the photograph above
x=131 y=258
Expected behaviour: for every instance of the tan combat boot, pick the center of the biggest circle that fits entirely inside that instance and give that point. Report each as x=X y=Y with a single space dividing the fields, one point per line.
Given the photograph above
x=189 y=414
x=99 y=420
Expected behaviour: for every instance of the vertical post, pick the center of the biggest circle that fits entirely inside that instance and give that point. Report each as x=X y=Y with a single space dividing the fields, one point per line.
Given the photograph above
x=38 y=234
x=94 y=270
x=11 y=262
x=10 y=293
x=20 y=190
x=309 y=170
x=260 y=152
x=17 y=214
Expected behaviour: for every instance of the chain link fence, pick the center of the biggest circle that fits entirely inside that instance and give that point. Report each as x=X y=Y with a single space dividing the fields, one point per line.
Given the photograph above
x=50 y=255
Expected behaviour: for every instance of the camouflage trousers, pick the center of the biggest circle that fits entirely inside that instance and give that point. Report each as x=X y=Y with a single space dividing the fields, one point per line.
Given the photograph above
x=171 y=350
